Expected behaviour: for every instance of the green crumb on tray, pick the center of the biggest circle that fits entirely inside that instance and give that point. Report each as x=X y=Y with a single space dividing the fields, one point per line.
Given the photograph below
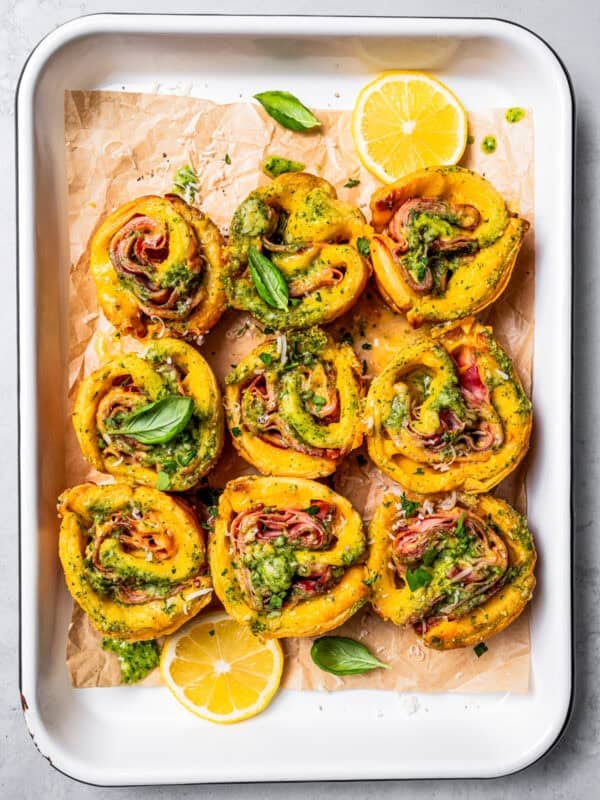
x=489 y=144
x=514 y=114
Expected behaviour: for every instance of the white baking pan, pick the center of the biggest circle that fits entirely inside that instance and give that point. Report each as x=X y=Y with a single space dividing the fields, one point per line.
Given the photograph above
x=135 y=735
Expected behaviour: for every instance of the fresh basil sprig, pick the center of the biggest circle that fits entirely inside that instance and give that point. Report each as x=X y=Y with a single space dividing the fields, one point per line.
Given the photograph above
x=343 y=656
x=158 y=422
x=270 y=283
x=288 y=111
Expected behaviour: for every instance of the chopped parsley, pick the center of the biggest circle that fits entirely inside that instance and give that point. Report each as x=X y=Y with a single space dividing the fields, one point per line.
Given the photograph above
x=408 y=506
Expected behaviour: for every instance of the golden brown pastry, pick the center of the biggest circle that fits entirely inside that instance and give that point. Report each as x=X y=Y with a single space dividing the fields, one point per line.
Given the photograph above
x=458 y=569
x=285 y=556
x=445 y=244
x=134 y=559
x=449 y=412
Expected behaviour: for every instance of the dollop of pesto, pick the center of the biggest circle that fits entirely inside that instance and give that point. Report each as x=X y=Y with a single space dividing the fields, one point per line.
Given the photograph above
x=514 y=114
x=136 y=659
x=273 y=166
x=489 y=144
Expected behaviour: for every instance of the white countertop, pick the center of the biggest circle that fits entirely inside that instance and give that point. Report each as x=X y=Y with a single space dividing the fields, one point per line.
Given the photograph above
x=572 y=769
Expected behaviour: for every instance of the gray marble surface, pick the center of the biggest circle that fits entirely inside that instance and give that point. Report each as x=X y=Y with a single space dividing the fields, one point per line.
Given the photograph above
x=572 y=769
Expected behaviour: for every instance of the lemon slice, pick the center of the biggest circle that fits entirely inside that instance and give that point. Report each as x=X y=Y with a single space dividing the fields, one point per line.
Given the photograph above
x=404 y=121
x=219 y=670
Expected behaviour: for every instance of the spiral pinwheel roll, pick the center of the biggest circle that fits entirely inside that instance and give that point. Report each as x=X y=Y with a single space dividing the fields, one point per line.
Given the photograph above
x=449 y=412
x=459 y=569
x=294 y=405
x=157 y=260
x=155 y=420
x=445 y=245
x=284 y=556
x=310 y=238
x=134 y=559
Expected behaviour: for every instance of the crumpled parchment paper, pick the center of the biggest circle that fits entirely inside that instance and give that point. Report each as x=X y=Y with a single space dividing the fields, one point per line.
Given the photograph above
x=121 y=145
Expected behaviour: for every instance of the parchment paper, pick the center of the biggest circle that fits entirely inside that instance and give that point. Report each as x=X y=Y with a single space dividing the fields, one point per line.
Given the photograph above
x=123 y=145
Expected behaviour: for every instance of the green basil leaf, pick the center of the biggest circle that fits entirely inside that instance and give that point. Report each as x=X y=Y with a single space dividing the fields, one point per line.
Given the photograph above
x=417 y=578
x=270 y=283
x=288 y=111
x=480 y=649
x=158 y=422
x=363 y=246
x=276 y=165
x=351 y=183
x=343 y=656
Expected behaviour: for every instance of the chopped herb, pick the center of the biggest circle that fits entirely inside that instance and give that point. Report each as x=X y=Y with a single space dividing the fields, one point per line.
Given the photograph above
x=351 y=183
x=312 y=510
x=419 y=471
x=266 y=358
x=430 y=556
x=480 y=649
x=227 y=158
x=470 y=139
x=347 y=338
x=366 y=346
x=371 y=579
x=186 y=183
x=408 y=506
x=318 y=401
x=236 y=431
x=211 y=632
x=363 y=246
x=417 y=578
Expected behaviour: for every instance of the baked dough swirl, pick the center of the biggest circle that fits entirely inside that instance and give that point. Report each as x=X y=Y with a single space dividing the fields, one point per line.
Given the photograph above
x=449 y=412
x=445 y=244
x=284 y=555
x=134 y=559
x=311 y=238
x=158 y=262
x=459 y=569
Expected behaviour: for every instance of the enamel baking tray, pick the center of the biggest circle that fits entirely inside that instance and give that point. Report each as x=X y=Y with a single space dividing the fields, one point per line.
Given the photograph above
x=140 y=736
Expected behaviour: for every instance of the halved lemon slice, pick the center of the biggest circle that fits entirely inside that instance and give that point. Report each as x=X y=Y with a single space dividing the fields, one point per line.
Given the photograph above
x=219 y=670
x=404 y=121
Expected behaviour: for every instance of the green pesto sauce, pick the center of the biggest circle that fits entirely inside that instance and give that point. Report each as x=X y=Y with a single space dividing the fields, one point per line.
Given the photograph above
x=277 y=165
x=489 y=144
x=398 y=414
x=136 y=659
x=514 y=114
